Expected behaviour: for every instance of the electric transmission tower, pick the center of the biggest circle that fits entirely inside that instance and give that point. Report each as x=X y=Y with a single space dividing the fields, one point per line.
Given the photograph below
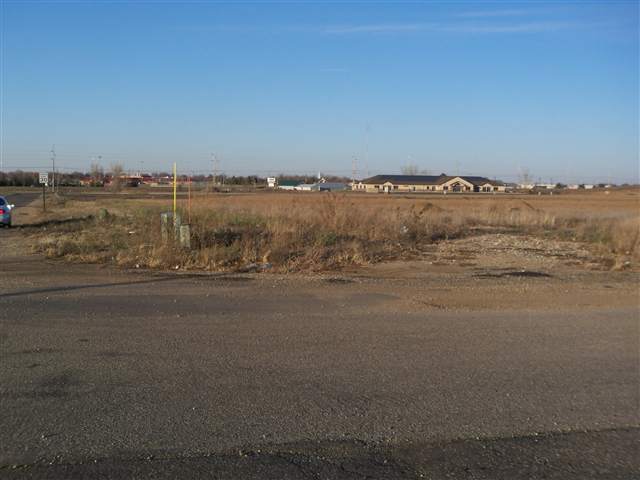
x=213 y=170
x=354 y=168
x=215 y=166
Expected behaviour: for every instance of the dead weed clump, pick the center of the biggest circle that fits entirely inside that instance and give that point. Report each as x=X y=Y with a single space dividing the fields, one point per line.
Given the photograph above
x=331 y=234
x=319 y=232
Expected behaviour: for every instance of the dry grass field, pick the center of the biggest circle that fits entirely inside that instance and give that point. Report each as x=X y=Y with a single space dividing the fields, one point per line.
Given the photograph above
x=286 y=232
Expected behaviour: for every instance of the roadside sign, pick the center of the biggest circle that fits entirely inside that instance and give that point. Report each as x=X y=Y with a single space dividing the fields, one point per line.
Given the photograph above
x=43 y=178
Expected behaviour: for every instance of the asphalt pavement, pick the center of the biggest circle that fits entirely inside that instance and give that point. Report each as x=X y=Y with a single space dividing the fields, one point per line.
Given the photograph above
x=23 y=199
x=112 y=374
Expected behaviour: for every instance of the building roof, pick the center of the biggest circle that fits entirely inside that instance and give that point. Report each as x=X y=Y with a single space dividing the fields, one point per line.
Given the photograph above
x=289 y=183
x=480 y=180
x=426 y=179
x=406 y=179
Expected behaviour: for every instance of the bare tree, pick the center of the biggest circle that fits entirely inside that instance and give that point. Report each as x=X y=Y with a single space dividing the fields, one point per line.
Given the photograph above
x=409 y=169
x=97 y=173
x=116 y=172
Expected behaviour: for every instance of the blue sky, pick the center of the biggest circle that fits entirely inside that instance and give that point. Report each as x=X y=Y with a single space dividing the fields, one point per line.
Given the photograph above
x=487 y=88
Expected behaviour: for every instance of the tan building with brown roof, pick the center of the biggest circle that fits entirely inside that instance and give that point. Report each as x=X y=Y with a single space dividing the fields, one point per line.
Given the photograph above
x=428 y=184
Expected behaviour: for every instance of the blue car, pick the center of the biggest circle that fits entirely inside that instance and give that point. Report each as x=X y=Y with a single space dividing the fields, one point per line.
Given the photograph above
x=5 y=212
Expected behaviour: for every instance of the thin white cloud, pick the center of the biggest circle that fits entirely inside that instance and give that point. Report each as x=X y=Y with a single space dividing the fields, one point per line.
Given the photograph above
x=461 y=27
x=497 y=13
x=528 y=27
x=471 y=28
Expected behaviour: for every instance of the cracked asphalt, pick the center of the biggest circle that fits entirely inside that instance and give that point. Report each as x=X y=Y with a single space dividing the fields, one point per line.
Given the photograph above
x=115 y=374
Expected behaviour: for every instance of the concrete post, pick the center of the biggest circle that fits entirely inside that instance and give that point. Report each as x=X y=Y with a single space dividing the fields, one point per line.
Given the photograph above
x=177 y=221
x=164 y=226
x=185 y=236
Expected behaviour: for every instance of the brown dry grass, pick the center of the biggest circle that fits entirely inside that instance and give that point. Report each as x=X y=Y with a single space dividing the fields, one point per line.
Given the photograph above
x=294 y=232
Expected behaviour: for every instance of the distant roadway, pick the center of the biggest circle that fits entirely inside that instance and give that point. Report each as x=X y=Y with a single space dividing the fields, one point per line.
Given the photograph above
x=22 y=199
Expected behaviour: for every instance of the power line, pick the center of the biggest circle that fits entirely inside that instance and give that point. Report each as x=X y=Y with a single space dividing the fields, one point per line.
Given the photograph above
x=214 y=161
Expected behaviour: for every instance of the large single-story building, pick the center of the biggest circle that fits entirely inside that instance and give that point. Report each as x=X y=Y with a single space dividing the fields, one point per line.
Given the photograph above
x=284 y=184
x=428 y=184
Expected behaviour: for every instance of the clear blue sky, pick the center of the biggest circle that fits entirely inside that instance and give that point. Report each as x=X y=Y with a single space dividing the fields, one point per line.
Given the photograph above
x=486 y=88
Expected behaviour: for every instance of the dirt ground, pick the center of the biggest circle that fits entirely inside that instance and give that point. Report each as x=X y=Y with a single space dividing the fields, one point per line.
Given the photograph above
x=489 y=271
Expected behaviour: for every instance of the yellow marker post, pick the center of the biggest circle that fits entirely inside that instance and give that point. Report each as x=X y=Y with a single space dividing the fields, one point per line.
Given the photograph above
x=174 y=190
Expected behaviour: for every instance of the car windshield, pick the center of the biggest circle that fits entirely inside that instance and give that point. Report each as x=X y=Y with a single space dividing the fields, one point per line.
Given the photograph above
x=2 y=202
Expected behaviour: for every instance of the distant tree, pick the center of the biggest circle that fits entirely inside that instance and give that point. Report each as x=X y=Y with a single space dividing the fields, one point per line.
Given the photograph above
x=298 y=178
x=97 y=174
x=116 y=173
x=20 y=178
x=337 y=179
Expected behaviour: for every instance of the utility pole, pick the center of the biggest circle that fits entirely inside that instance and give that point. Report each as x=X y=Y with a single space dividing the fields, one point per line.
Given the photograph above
x=354 y=168
x=53 y=162
x=214 y=165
